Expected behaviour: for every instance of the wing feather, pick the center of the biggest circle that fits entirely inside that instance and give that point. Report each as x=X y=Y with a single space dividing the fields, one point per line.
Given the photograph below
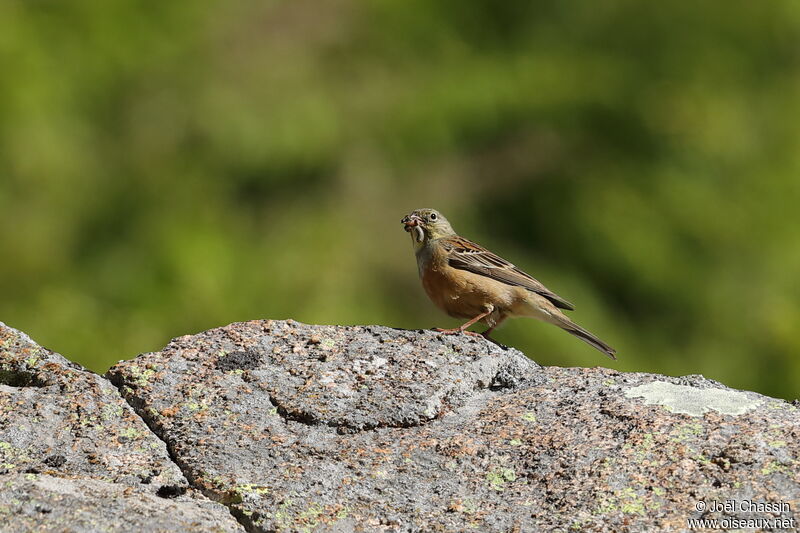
x=466 y=255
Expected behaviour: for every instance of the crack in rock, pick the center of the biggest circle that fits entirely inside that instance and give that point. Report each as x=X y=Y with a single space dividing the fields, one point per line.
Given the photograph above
x=75 y=455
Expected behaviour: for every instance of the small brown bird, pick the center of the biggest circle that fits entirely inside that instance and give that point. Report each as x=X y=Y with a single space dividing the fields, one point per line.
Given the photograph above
x=466 y=280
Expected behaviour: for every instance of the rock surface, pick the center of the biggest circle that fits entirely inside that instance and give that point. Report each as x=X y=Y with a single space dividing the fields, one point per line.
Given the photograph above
x=66 y=435
x=45 y=503
x=318 y=428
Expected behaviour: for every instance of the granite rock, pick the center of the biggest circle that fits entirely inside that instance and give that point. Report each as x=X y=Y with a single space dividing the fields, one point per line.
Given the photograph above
x=321 y=428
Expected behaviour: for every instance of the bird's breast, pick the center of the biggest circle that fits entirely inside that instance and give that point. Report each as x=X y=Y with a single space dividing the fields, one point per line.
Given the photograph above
x=444 y=290
x=463 y=294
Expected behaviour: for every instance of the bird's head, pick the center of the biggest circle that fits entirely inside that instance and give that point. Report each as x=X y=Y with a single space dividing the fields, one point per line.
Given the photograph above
x=425 y=225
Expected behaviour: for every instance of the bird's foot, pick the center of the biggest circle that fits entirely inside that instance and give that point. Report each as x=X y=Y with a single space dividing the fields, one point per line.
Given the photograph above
x=456 y=331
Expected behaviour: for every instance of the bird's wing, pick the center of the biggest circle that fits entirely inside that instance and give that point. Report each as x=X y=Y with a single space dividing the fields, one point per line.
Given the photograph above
x=466 y=255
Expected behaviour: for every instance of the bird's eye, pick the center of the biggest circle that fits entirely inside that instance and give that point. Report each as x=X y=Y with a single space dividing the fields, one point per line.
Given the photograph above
x=433 y=216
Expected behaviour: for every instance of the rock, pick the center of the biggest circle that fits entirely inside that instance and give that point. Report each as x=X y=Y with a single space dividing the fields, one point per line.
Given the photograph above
x=45 y=503
x=63 y=420
x=65 y=431
x=319 y=428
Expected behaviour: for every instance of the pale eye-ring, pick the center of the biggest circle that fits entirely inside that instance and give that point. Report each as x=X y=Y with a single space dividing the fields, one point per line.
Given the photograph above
x=433 y=216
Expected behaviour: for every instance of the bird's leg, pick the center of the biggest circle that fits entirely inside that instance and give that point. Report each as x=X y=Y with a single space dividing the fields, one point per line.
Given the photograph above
x=463 y=327
x=488 y=332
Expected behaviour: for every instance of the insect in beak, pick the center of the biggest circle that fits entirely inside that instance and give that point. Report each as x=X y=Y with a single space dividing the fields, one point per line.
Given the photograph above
x=411 y=223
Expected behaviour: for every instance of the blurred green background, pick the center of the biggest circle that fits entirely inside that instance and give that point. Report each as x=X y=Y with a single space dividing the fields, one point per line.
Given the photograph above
x=171 y=167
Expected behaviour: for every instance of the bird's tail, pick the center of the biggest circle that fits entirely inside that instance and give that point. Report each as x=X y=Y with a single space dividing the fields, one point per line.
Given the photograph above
x=574 y=329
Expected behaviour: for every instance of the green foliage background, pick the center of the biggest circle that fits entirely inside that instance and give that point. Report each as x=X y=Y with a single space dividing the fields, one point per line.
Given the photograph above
x=168 y=167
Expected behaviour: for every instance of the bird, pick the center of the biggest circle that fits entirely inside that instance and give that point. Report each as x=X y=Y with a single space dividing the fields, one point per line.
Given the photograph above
x=465 y=280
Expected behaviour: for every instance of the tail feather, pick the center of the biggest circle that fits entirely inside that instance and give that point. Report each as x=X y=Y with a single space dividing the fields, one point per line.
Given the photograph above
x=589 y=339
